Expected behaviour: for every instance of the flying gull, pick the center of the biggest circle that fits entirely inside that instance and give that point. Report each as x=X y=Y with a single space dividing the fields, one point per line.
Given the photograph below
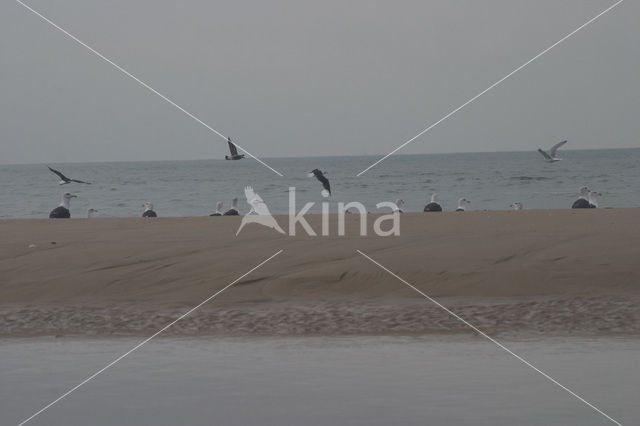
x=582 y=202
x=433 y=206
x=233 y=211
x=461 y=204
x=325 y=182
x=64 y=180
x=62 y=211
x=233 y=151
x=551 y=156
x=218 y=211
x=516 y=206
x=259 y=212
x=148 y=210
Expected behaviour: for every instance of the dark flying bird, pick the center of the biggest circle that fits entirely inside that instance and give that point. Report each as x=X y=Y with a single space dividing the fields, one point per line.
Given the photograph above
x=551 y=156
x=62 y=211
x=64 y=180
x=234 y=152
x=325 y=182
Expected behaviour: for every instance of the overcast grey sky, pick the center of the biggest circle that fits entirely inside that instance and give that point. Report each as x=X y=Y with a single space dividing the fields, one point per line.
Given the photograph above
x=297 y=78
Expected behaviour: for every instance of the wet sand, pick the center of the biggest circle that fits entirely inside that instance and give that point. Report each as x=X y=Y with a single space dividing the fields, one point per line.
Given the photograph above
x=546 y=271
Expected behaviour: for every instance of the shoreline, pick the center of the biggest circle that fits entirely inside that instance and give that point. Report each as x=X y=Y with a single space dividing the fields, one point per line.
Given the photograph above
x=283 y=217
x=522 y=317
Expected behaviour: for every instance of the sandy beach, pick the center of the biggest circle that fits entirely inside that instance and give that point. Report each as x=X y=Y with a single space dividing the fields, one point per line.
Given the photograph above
x=557 y=272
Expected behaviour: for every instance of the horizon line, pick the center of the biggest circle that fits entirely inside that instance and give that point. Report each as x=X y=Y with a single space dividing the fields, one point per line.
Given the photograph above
x=312 y=156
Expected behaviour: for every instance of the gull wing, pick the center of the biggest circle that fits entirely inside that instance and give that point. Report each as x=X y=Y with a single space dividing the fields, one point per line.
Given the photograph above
x=60 y=175
x=554 y=148
x=544 y=154
x=232 y=148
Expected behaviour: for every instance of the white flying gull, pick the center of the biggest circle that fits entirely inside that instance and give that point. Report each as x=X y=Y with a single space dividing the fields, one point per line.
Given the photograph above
x=461 y=203
x=551 y=156
x=233 y=211
x=64 y=180
x=62 y=211
x=259 y=212
x=148 y=210
x=325 y=182
x=218 y=211
x=433 y=206
x=582 y=202
x=233 y=150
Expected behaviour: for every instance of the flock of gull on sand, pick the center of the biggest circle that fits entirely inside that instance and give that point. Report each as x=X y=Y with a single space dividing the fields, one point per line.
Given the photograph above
x=587 y=198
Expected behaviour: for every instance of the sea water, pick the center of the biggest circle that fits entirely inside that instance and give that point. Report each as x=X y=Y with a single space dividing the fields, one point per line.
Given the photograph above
x=491 y=181
x=427 y=380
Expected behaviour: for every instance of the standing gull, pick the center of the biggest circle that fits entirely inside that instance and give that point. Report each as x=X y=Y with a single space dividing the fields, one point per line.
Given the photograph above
x=64 y=180
x=233 y=211
x=233 y=150
x=91 y=212
x=399 y=204
x=325 y=182
x=218 y=211
x=516 y=206
x=551 y=156
x=62 y=211
x=461 y=204
x=593 y=202
x=433 y=206
x=148 y=210
x=582 y=202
